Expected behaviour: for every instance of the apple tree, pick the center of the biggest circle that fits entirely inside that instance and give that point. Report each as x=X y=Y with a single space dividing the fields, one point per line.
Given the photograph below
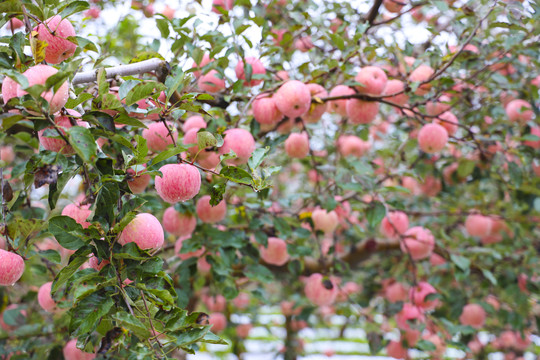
x=376 y=159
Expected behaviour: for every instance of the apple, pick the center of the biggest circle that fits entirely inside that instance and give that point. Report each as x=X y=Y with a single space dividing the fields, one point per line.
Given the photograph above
x=145 y=230
x=257 y=68
x=55 y=32
x=320 y=291
x=208 y=213
x=297 y=145
x=38 y=75
x=180 y=182
x=293 y=98
x=373 y=80
x=275 y=253
x=11 y=267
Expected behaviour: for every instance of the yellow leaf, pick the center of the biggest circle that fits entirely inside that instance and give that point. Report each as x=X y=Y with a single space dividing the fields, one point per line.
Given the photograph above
x=38 y=48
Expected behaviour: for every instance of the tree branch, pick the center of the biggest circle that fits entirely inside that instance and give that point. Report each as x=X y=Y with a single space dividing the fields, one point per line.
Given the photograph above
x=374 y=11
x=121 y=70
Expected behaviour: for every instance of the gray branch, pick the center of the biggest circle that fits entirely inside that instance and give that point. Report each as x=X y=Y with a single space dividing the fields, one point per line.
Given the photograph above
x=121 y=70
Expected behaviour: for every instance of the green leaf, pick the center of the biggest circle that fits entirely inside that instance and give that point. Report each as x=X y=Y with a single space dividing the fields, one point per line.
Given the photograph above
x=236 y=174
x=67 y=232
x=257 y=157
x=132 y=324
x=205 y=139
x=127 y=120
x=338 y=41
x=216 y=193
x=163 y=27
x=461 y=262
x=95 y=307
x=167 y=154
x=73 y=8
x=212 y=338
x=76 y=260
x=11 y=6
x=465 y=168
x=375 y=213
x=73 y=103
x=143 y=91
x=83 y=142
x=489 y=275
x=51 y=255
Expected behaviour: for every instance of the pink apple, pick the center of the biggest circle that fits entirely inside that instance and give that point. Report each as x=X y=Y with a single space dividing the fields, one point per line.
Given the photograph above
x=362 y=112
x=418 y=294
x=293 y=98
x=243 y=330
x=396 y=292
x=63 y=122
x=304 y=43
x=38 y=75
x=9 y=89
x=395 y=86
x=241 y=301
x=434 y=108
x=422 y=74
x=7 y=154
x=241 y=142
x=339 y=106
x=208 y=213
x=45 y=299
x=519 y=111
x=194 y=122
x=168 y=12
x=56 y=34
x=535 y=144
x=478 y=225
x=394 y=224
x=394 y=349
x=326 y=221
x=409 y=313
x=316 y=111
x=177 y=223
x=275 y=253
x=14 y=24
x=297 y=145
x=215 y=303
x=145 y=230
x=186 y=255
x=320 y=291
x=223 y=5
x=448 y=121
x=373 y=80
x=78 y=213
x=418 y=242
x=93 y=12
x=157 y=136
x=218 y=322
x=432 y=138
x=97 y=264
x=265 y=111
x=11 y=267
x=211 y=82
x=180 y=182
x=204 y=61
x=137 y=179
x=257 y=68
x=394 y=6
x=351 y=145
x=71 y=352
x=473 y=315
